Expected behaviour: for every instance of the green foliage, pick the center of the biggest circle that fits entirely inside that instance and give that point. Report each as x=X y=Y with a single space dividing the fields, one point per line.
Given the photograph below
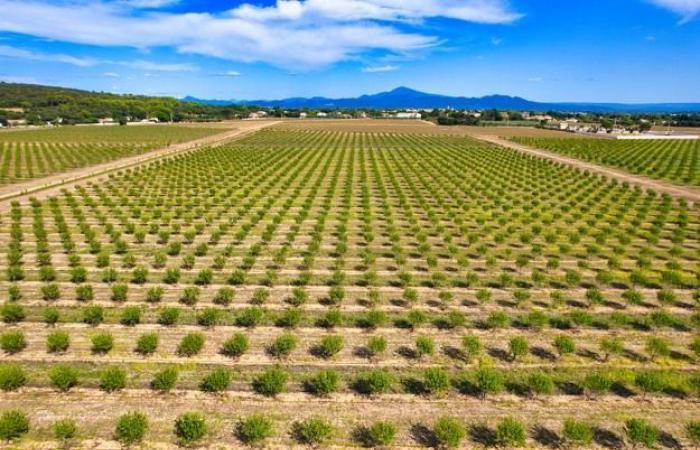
x=271 y=382
x=472 y=347
x=489 y=381
x=112 y=379
x=565 y=345
x=379 y=434
x=12 y=313
x=329 y=346
x=164 y=380
x=168 y=316
x=449 y=432
x=376 y=345
x=254 y=429
x=577 y=433
x=12 y=377
x=313 y=431
x=518 y=347
x=436 y=381
x=597 y=383
x=641 y=432
x=102 y=343
x=57 y=342
x=131 y=315
x=657 y=347
x=323 y=383
x=540 y=383
x=235 y=346
x=510 y=432
x=692 y=432
x=425 y=345
x=250 y=317
x=283 y=345
x=373 y=382
x=63 y=377
x=190 y=427
x=217 y=380
x=209 y=317
x=64 y=429
x=147 y=343
x=131 y=428
x=191 y=344
x=13 y=424
x=12 y=342
x=93 y=315
x=650 y=382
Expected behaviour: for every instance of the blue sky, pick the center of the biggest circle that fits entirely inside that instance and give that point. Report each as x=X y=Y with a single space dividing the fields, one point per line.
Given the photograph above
x=601 y=50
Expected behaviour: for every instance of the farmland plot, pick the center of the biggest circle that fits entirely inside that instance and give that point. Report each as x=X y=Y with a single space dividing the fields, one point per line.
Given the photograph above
x=29 y=154
x=675 y=161
x=354 y=288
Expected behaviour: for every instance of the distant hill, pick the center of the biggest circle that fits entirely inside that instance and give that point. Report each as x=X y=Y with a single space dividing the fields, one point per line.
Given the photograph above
x=403 y=97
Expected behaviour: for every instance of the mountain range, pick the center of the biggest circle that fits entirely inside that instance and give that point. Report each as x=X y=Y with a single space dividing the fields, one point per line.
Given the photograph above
x=403 y=98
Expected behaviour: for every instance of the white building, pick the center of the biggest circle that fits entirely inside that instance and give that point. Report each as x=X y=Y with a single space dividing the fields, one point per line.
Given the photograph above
x=408 y=115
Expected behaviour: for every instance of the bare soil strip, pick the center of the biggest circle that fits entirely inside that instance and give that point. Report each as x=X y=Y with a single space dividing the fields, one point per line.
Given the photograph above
x=690 y=194
x=44 y=187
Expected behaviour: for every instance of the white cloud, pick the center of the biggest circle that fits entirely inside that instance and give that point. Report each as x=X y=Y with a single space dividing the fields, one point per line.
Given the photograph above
x=111 y=75
x=687 y=9
x=232 y=73
x=380 y=69
x=148 y=4
x=149 y=65
x=535 y=79
x=293 y=34
x=20 y=53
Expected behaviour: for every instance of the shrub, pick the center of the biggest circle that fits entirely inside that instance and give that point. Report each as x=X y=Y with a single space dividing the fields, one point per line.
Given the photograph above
x=190 y=427
x=224 y=296
x=168 y=316
x=271 y=382
x=12 y=313
x=424 y=346
x=650 y=382
x=283 y=345
x=209 y=317
x=313 y=431
x=299 y=296
x=12 y=377
x=510 y=432
x=250 y=317
x=376 y=345
x=102 y=343
x=119 y=292
x=611 y=346
x=235 y=346
x=489 y=381
x=436 y=380
x=130 y=316
x=131 y=428
x=112 y=379
x=12 y=342
x=565 y=345
x=379 y=434
x=50 y=292
x=84 y=293
x=191 y=344
x=13 y=424
x=63 y=377
x=190 y=296
x=64 y=429
x=329 y=346
x=217 y=380
x=449 y=432
x=260 y=296
x=657 y=347
x=147 y=343
x=373 y=383
x=154 y=294
x=641 y=432
x=57 y=342
x=93 y=315
x=164 y=380
x=518 y=347
x=692 y=432
x=472 y=347
x=331 y=319
x=51 y=316
x=597 y=383
x=254 y=429
x=410 y=295
x=290 y=318
x=577 y=433
x=540 y=383
x=323 y=383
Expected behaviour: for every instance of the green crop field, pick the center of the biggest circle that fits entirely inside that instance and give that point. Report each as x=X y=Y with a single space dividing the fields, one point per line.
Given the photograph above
x=28 y=154
x=337 y=288
x=676 y=161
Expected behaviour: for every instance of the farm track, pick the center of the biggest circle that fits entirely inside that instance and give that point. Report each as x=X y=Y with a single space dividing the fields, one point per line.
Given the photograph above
x=52 y=185
x=687 y=193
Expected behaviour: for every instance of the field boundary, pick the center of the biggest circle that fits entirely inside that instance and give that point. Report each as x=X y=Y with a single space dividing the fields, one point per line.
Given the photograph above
x=65 y=179
x=690 y=194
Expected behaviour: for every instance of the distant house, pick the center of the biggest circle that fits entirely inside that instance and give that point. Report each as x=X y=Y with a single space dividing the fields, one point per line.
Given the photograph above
x=106 y=121
x=16 y=123
x=303 y=115
x=150 y=120
x=408 y=115
x=321 y=114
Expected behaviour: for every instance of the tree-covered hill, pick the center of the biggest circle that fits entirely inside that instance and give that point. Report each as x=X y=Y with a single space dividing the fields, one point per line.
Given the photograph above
x=41 y=104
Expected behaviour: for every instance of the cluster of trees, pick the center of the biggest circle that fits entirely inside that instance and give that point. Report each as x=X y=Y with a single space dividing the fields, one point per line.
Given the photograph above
x=43 y=104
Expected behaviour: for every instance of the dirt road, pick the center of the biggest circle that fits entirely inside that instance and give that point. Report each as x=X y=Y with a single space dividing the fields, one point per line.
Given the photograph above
x=688 y=193
x=51 y=185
